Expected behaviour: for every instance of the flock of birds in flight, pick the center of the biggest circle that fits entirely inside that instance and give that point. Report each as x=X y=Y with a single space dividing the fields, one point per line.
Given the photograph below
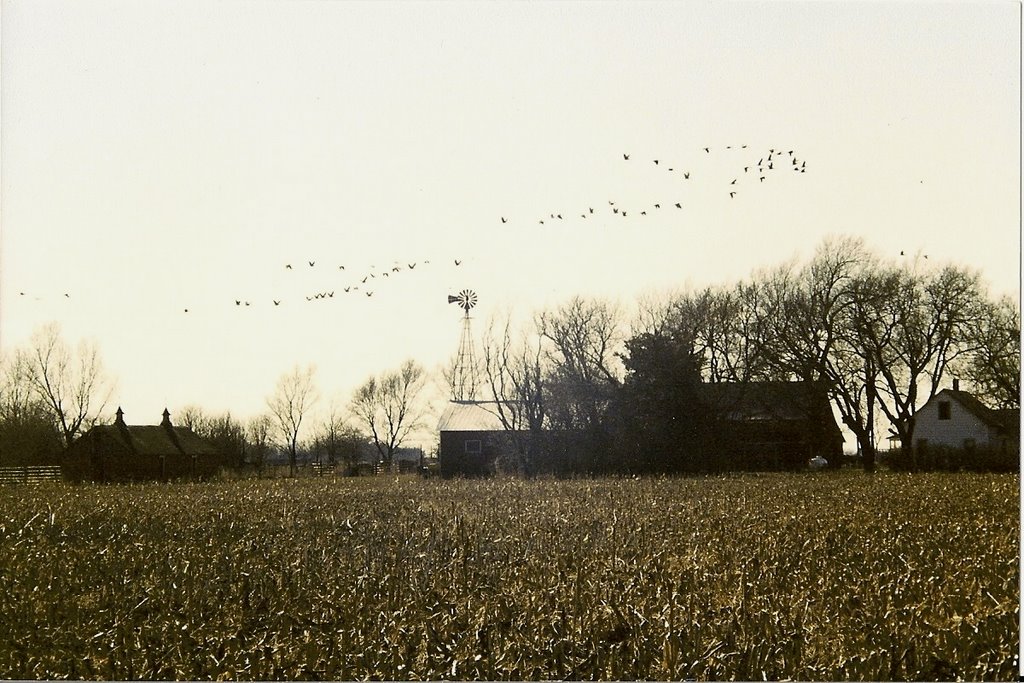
x=768 y=163
x=365 y=285
x=772 y=161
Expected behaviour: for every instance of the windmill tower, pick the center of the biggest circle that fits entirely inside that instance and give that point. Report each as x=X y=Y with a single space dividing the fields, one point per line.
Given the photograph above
x=464 y=374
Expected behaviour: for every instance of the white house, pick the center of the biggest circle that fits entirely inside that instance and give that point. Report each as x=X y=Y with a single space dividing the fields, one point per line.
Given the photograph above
x=956 y=419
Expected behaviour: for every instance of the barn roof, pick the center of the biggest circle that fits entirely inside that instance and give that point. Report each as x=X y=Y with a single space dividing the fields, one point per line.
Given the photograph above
x=470 y=416
x=159 y=440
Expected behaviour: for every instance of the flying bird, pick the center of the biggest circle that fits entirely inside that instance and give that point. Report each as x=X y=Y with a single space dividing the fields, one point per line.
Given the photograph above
x=312 y=263
x=733 y=182
x=626 y=157
x=238 y=302
x=341 y=267
x=504 y=220
x=655 y=162
x=369 y=294
x=276 y=302
x=458 y=262
x=288 y=266
x=686 y=175
x=411 y=266
x=657 y=206
x=348 y=288
x=707 y=150
x=678 y=205
x=731 y=195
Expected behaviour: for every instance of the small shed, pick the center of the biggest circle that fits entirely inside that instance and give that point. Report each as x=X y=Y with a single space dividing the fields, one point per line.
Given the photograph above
x=472 y=438
x=122 y=452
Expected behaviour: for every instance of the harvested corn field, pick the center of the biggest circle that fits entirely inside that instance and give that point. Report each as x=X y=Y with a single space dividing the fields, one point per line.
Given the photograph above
x=831 y=576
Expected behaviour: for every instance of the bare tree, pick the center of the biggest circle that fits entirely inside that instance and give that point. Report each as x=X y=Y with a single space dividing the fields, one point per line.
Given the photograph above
x=514 y=376
x=337 y=440
x=27 y=432
x=389 y=407
x=993 y=366
x=584 y=342
x=811 y=310
x=257 y=434
x=294 y=395
x=911 y=327
x=72 y=383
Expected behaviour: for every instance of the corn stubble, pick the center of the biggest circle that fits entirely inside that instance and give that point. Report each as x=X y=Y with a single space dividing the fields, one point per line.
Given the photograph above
x=752 y=577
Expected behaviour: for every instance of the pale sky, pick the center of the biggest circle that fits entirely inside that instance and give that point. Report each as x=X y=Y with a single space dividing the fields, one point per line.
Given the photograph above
x=163 y=156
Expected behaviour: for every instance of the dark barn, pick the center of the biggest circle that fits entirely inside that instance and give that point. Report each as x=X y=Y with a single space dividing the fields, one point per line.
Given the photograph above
x=122 y=453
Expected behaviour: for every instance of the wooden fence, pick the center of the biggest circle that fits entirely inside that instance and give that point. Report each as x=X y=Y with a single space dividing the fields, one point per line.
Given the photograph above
x=30 y=474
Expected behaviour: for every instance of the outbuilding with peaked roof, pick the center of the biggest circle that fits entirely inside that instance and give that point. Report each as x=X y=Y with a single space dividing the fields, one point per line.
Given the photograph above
x=122 y=452
x=471 y=438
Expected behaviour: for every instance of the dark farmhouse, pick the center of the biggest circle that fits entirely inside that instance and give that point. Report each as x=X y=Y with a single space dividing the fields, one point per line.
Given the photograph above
x=753 y=426
x=122 y=452
x=773 y=425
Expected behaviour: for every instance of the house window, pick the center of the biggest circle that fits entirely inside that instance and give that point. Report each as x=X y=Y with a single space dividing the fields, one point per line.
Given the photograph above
x=473 y=446
x=944 y=410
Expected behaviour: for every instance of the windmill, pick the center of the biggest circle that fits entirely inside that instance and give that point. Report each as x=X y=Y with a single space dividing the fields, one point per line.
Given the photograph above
x=465 y=371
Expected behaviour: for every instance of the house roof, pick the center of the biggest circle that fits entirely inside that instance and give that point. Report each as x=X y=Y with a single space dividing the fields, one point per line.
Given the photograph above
x=470 y=416
x=774 y=400
x=1007 y=419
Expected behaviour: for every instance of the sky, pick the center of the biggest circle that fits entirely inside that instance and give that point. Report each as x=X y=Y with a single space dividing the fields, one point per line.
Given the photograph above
x=163 y=156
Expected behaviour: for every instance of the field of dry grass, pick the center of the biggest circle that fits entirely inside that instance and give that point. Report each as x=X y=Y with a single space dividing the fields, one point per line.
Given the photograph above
x=824 y=576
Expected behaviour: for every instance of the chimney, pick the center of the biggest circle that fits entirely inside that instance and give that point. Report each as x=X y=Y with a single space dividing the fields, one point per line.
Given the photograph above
x=167 y=419
x=956 y=384
x=119 y=419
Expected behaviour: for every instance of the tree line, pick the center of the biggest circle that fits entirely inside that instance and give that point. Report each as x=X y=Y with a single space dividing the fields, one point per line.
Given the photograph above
x=588 y=386
x=881 y=336
x=52 y=392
